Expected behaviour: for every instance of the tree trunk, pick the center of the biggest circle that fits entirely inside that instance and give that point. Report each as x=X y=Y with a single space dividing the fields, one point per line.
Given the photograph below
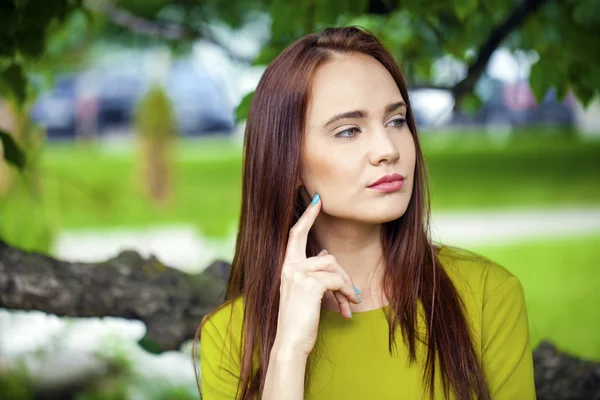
x=156 y=166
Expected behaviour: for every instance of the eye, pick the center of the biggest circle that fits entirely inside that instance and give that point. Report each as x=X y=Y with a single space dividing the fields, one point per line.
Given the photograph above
x=397 y=123
x=351 y=133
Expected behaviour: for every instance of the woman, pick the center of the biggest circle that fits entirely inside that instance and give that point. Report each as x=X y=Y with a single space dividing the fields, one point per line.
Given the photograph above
x=332 y=161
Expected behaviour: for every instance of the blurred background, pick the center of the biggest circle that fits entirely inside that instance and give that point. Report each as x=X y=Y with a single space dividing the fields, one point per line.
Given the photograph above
x=122 y=125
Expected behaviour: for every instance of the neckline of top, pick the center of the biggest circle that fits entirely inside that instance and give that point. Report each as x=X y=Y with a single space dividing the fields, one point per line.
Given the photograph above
x=358 y=313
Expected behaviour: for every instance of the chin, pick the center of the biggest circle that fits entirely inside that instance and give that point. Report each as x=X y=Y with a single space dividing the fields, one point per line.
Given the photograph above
x=380 y=216
x=371 y=212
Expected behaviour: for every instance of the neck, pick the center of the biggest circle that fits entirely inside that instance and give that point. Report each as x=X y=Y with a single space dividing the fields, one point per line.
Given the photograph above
x=357 y=248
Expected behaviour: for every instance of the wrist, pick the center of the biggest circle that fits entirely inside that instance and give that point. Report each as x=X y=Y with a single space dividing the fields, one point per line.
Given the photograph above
x=281 y=352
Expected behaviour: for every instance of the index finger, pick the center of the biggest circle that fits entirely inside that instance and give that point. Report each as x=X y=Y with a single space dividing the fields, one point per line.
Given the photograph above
x=296 y=246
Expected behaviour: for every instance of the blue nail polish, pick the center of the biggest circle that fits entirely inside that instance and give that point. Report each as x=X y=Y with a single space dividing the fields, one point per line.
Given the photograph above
x=315 y=199
x=359 y=300
x=356 y=290
x=350 y=314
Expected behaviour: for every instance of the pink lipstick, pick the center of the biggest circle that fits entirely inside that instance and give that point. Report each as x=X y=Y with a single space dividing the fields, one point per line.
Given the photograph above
x=388 y=183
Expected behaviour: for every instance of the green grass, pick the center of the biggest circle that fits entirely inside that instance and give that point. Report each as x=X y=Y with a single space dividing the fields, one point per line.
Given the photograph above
x=531 y=172
x=560 y=278
x=93 y=187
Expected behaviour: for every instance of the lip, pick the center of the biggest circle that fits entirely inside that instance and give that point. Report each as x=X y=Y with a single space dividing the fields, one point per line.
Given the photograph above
x=388 y=183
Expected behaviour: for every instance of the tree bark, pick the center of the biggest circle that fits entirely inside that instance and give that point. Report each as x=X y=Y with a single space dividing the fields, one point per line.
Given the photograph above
x=163 y=30
x=171 y=303
x=513 y=20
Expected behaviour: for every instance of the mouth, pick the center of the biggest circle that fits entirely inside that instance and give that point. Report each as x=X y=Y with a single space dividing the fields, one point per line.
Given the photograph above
x=388 y=183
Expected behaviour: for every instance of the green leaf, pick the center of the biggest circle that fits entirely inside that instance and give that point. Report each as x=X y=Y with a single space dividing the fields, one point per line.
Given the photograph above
x=584 y=94
x=8 y=18
x=327 y=12
x=462 y=8
x=7 y=47
x=470 y=103
x=20 y=4
x=540 y=79
x=242 y=110
x=32 y=42
x=583 y=82
x=150 y=345
x=562 y=86
x=587 y=13
x=39 y=14
x=289 y=20
x=12 y=153
x=13 y=81
x=267 y=54
x=357 y=7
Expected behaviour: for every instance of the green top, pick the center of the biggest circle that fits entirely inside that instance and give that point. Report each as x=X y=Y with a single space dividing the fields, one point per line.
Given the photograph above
x=351 y=359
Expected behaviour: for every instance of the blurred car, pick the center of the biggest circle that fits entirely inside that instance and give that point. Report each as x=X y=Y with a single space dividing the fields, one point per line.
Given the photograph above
x=118 y=93
x=200 y=103
x=104 y=99
x=56 y=109
x=508 y=105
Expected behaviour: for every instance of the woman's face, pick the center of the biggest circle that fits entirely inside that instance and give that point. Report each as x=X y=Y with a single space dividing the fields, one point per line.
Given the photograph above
x=356 y=133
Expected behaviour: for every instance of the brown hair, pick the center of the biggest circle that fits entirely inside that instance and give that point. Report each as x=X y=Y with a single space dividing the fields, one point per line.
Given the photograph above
x=271 y=204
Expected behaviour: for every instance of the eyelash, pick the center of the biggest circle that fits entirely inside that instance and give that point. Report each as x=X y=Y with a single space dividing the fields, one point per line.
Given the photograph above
x=339 y=134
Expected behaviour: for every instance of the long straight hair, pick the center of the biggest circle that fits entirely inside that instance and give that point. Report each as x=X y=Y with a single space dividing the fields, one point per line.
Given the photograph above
x=271 y=204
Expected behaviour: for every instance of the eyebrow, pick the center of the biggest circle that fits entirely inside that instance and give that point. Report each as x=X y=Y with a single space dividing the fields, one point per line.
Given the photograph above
x=357 y=114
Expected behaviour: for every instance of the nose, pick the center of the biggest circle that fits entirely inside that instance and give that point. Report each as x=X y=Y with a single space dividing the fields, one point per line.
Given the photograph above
x=382 y=148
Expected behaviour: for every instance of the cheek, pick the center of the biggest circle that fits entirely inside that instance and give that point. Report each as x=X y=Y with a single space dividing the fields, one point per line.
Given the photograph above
x=408 y=152
x=326 y=168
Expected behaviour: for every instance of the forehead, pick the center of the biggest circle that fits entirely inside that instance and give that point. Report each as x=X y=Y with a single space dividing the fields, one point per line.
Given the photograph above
x=351 y=82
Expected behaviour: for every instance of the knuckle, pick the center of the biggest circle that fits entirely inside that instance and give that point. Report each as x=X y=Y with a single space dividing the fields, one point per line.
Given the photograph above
x=298 y=276
x=337 y=281
x=310 y=283
x=295 y=231
x=330 y=259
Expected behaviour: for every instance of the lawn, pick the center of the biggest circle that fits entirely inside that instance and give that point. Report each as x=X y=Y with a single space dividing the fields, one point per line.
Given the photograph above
x=92 y=187
x=561 y=281
x=531 y=172
x=97 y=188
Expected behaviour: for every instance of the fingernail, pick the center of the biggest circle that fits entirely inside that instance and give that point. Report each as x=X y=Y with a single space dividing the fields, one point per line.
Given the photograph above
x=315 y=199
x=324 y=251
x=356 y=290
x=350 y=314
x=359 y=300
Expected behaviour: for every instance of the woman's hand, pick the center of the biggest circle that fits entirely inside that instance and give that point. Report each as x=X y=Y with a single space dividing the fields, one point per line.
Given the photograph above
x=304 y=281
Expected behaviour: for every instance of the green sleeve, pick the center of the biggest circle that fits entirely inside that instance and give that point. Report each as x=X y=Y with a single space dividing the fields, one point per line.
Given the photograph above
x=219 y=367
x=506 y=346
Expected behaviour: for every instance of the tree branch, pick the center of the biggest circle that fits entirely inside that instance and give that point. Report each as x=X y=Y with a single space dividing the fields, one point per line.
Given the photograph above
x=163 y=30
x=140 y=25
x=172 y=32
x=496 y=37
x=170 y=303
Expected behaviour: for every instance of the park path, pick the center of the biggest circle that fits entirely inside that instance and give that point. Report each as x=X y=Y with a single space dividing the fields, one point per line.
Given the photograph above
x=183 y=247
x=505 y=227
